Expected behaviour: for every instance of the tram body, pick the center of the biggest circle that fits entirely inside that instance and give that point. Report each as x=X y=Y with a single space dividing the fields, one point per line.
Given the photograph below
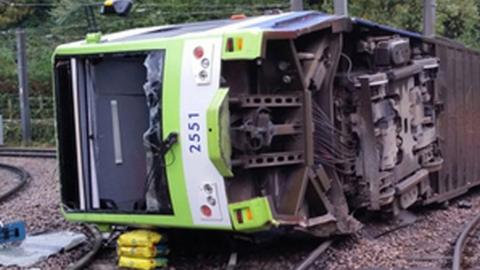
x=290 y=120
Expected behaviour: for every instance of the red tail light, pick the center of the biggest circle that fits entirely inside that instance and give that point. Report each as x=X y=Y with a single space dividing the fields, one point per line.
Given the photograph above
x=239 y=216
x=230 y=45
x=198 y=52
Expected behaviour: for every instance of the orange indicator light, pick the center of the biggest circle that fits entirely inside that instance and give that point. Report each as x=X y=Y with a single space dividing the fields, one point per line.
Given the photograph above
x=238 y=17
x=239 y=44
x=249 y=214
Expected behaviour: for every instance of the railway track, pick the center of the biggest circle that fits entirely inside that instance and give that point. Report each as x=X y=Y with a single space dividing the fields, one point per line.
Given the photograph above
x=314 y=255
x=22 y=175
x=28 y=152
x=87 y=258
x=462 y=241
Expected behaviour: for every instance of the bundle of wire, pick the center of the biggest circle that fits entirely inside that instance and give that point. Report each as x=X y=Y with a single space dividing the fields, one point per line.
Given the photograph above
x=333 y=147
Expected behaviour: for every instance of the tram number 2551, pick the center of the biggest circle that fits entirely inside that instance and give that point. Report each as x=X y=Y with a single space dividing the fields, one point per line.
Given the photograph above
x=194 y=137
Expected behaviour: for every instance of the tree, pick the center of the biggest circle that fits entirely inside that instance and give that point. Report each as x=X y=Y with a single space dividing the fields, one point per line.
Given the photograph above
x=13 y=15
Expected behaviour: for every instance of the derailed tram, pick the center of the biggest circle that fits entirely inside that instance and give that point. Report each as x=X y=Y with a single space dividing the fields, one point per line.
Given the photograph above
x=289 y=120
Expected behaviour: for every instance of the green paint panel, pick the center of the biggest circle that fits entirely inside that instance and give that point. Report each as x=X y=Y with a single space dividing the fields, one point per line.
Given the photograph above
x=256 y=215
x=171 y=123
x=218 y=123
x=251 y=45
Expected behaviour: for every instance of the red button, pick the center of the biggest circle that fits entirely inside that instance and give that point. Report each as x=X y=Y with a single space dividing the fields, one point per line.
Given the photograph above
x=206 y=211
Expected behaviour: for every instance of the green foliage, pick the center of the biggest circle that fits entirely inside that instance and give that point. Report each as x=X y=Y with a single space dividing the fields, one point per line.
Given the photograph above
x=42 y=113
x=12 y=16
x=458 y=20
x=43 y=132
x=7 y=62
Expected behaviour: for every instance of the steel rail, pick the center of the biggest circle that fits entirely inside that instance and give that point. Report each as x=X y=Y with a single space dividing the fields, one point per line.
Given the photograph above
x=314 y=255
x=28 y=155
x=24 y=176
x=461 y=241
x=89 y=256
x=24 y=149
x=28 y=152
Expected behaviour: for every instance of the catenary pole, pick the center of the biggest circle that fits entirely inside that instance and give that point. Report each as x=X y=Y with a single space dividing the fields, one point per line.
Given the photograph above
x=429 y=17
x=23 y=87
x=296 y=5
x=341 y=7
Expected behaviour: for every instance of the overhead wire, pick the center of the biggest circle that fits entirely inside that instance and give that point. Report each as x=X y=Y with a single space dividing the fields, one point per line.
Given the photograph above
x=163 y=9
x=24 y=4
x=157 y=5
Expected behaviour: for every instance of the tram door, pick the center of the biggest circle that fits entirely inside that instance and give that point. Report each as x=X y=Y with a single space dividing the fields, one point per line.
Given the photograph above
x=120 y=117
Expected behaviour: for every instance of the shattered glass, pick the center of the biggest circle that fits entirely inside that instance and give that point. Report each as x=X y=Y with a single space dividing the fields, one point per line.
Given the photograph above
x=157 y=197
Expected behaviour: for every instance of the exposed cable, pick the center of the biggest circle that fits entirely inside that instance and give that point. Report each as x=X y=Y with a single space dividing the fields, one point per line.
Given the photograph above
x=334 y=148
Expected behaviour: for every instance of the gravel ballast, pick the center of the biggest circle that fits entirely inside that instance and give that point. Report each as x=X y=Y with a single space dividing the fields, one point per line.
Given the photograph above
x=38 y=204
x=426 y=244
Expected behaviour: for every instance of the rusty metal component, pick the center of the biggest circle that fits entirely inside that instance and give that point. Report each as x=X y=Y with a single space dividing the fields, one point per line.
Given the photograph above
x=412 y=181
x=379 y=120
x=272 y=159
x=396 y=124
x=292 y=202
x=369 y=157
x=259 y=101
x=459 y=128
x=392 y=51
x=277 y=124
x=258 y=131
